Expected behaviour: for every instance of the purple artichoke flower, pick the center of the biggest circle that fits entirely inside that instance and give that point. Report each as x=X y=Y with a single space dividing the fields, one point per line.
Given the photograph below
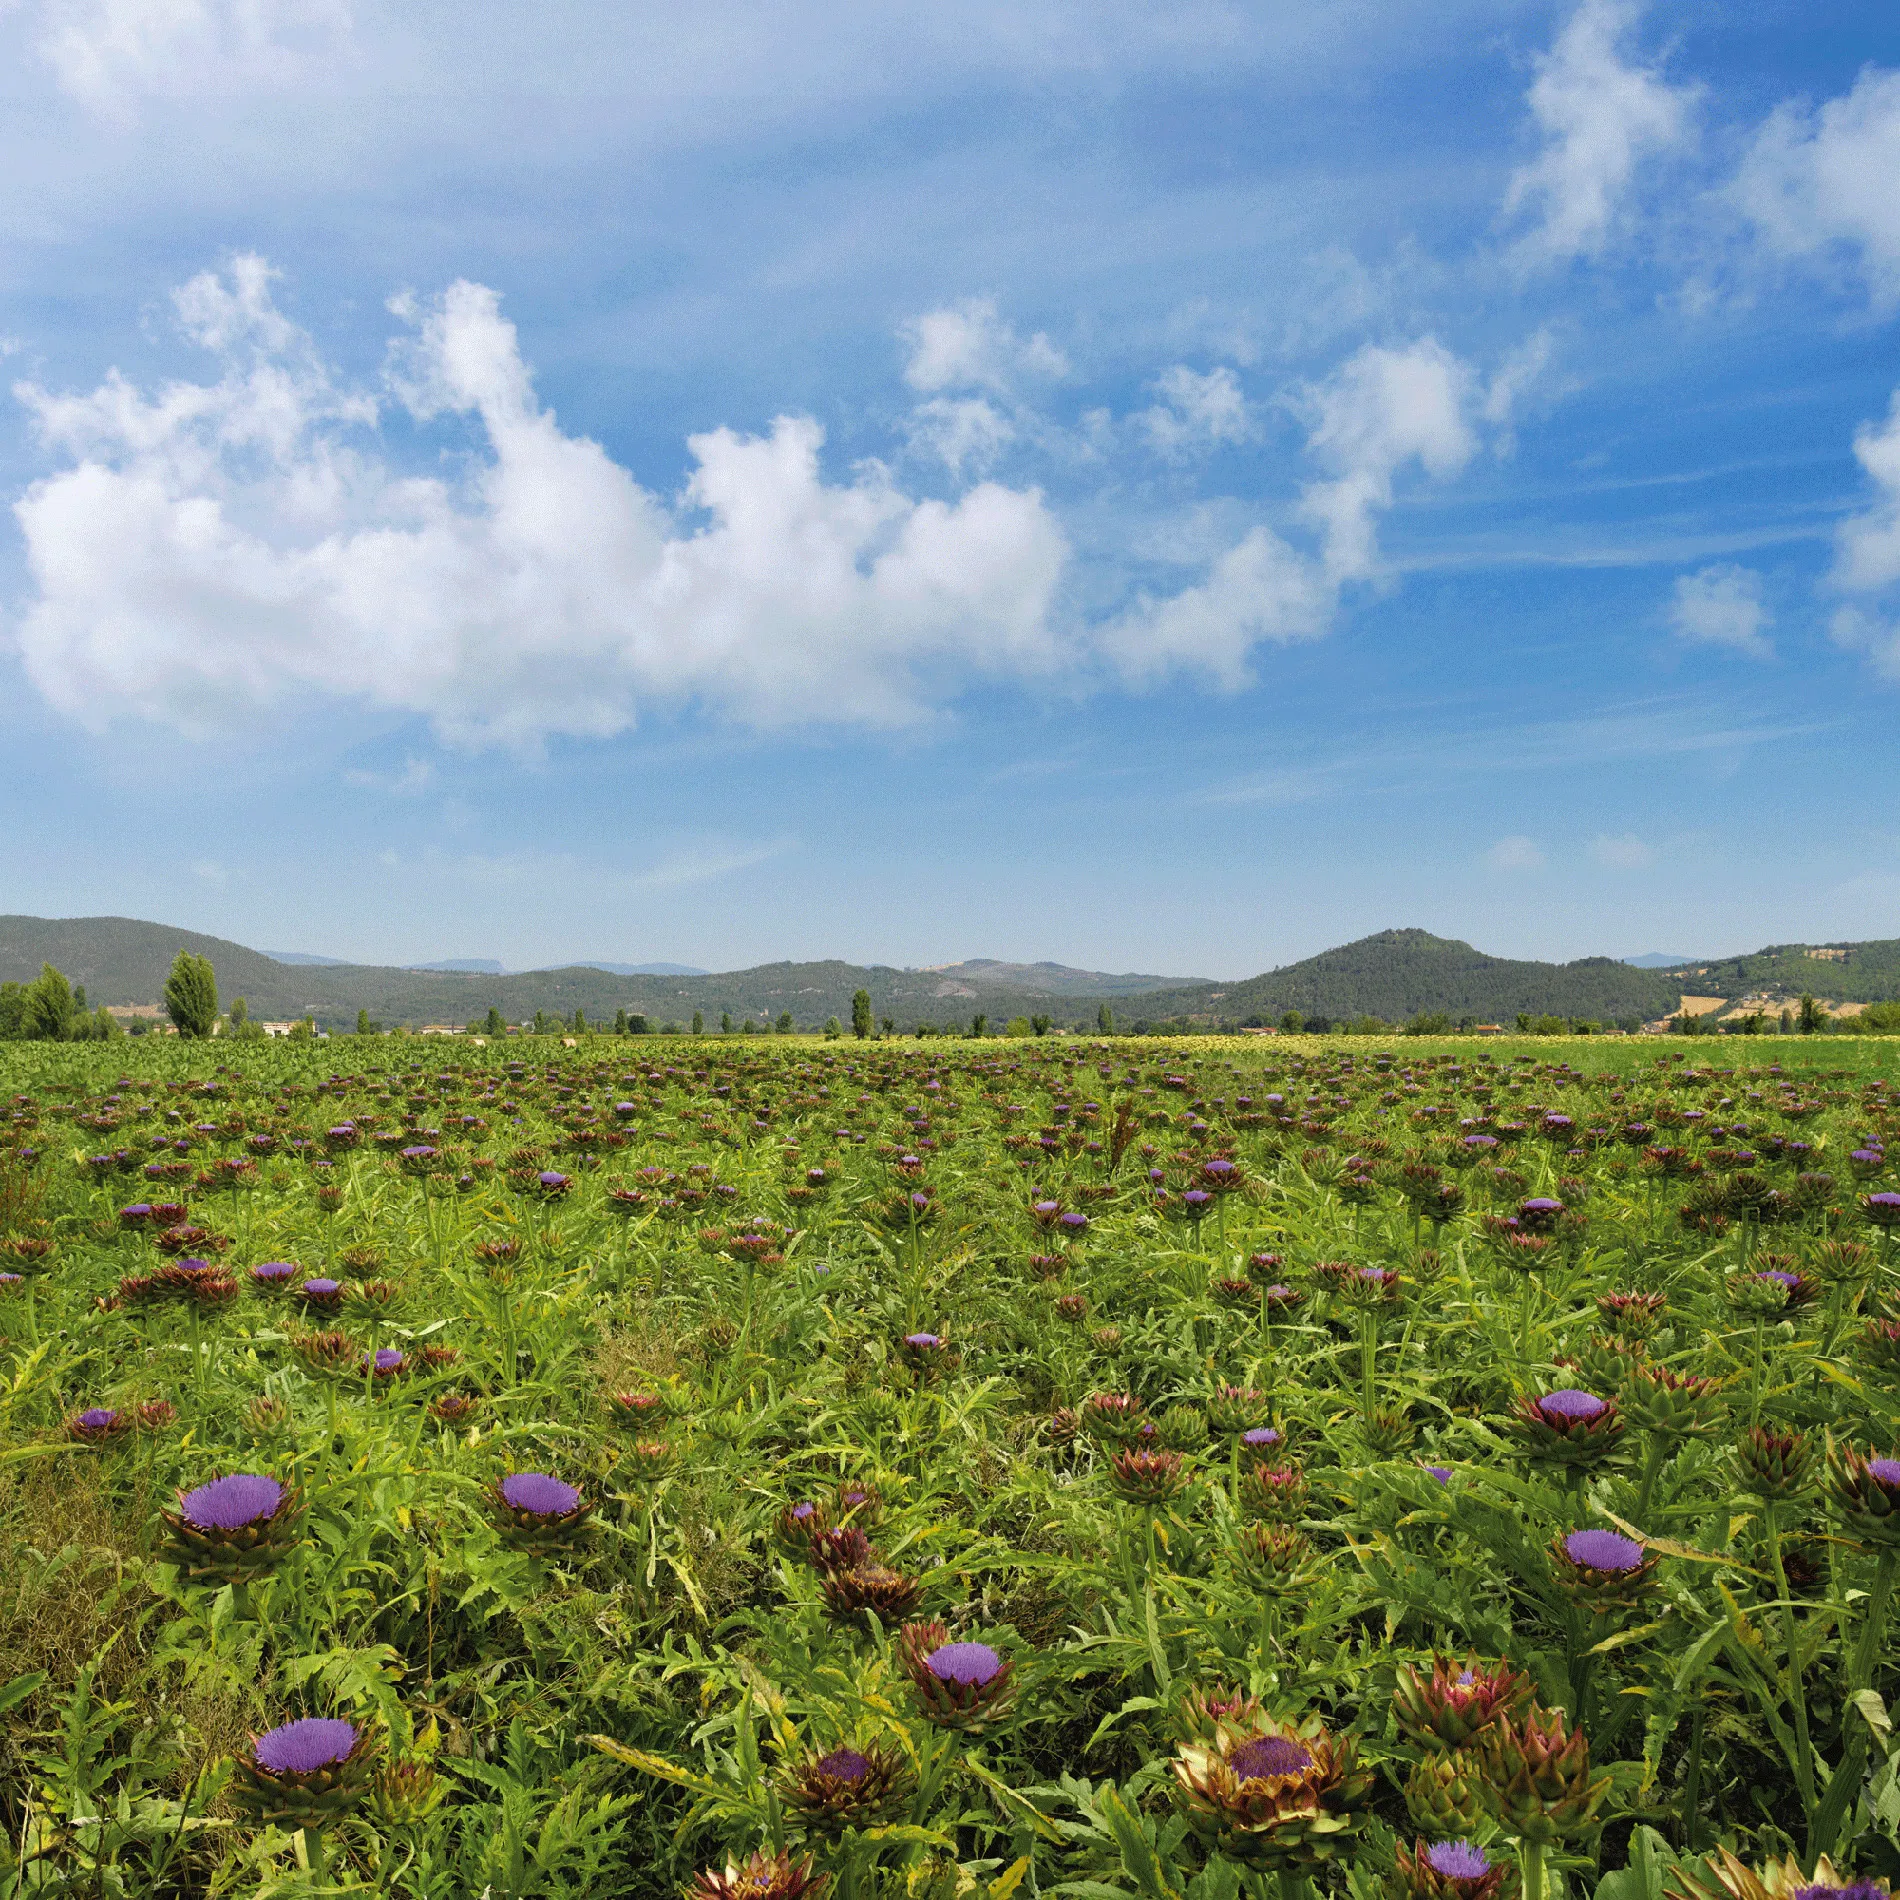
x=1603 y=1550
x=300 y=1748
x=1261 y=1438
x=1269 y=1756
x=229 y=1504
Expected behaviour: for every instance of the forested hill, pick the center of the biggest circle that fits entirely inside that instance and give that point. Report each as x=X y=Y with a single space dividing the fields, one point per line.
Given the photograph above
x=1842 y=972
x=1399 y=974
x=124 y=960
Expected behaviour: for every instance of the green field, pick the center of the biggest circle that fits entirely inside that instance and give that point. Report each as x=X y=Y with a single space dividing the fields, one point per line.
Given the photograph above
x=1000 y=1314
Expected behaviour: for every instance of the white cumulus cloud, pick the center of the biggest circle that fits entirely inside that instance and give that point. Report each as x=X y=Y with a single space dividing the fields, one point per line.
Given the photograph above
x=1821 y=184
x=218 y=547
x=1383 y=409
x=1196 y=412
x=1600 y=117
x=968 y=345
x=1867 y=550
x=1722 y=606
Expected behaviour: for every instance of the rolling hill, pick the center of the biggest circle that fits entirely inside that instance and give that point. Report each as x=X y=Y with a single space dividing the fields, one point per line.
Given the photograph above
x=1399 y=974
x=1393 y=974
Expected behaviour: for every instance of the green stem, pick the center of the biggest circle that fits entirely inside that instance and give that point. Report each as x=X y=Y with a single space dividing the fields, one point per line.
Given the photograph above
x=1797 y=1692
x=1368 y=1361
x=1530 y=1860
x=1654 y=1458
x=1754 y=1375
x=1692 y=1781
x=1844 y=1783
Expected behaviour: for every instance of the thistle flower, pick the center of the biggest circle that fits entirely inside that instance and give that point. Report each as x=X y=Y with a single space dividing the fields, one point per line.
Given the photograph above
x=1449 y=1870
x=1226 y=1291
x=1673 y=1405
x=925 y=1353
x=639 y=1410
x=1282 y=1799
x=837 y=1547
x=847 y=1787
x=761 y=1876
x=1274 y=1492
x=1569 y=1426
x=1114 y=1417
x=1632 y=1315
x=321 y=1295
x=1539 y=1215
x=1602 y=1570
x=272 y=1276
x=98 y=1425
x=405 y=1793
x=1148 y=1477
x=1881 y=1210
x=649 y=1460
x=1866 y=1492
x=963 y=1686
x=1444 y=1794
x=538 y=1513
x=306 y=1773
x=1072 y=1307
x=856 y=1503
x=1537 y=1776
x=1775 y=1464
x=236 y=1527
x=454 y=1408
x=1202 y=1714
x=1721 y=1876
x=1273 y=1558
x=323 y=1352
x=1279 y=1300
x=1457 y=1702
x=156 y=1415
x=1843 y=1262
x=384 y=1364
x=1235 y=1409
x=870 y=1586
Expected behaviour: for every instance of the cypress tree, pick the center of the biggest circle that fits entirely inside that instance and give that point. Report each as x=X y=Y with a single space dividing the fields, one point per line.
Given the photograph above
x=191 y=995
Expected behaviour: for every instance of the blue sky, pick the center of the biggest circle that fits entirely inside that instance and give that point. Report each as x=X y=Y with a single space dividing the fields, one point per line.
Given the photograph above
x=1163 y=489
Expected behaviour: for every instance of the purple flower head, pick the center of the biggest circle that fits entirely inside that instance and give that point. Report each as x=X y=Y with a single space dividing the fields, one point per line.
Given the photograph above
x=1261 y=1437
x=1854 y=1890
x=1542 y=1206
x=1073 y=1222
x=1047 y=1209
x=1458 y=1860
x=191 y=1266
x=228 y=1504
x=321 y=1289
x=301 y=1748
x=1779 y=1277
x=1884 y=1470
x=844 y=1764
x=1441 y=1472
x=99 y=1418
x=1196 y=1198
x=12 y=1279
x=538 y=1494
x=421 y=1153
x=1602 y=1550
x=1271 y=1755
x=387 y=1359
x=803 y=1511
x=1569 y=1403
x=1867 y=1157
x=923 y=1341
x=1887 y=1199
x=273 y=1272
x=920 y=1201
x=551 y=1178
x=971 y=1664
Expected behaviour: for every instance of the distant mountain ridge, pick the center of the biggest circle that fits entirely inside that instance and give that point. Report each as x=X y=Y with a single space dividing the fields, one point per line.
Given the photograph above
x=1393 y=974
